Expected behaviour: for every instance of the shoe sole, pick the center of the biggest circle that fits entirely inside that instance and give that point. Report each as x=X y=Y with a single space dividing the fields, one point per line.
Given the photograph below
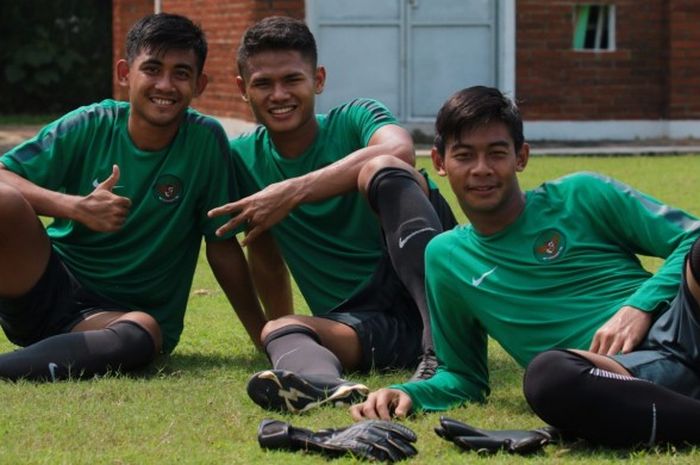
x=284 y=391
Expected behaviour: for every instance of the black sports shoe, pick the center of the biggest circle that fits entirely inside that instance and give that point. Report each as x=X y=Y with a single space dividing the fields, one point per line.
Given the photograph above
x=427 y=366
x=286 y=391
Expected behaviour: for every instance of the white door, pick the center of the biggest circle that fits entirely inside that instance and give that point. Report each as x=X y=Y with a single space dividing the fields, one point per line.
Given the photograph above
x=409 y=54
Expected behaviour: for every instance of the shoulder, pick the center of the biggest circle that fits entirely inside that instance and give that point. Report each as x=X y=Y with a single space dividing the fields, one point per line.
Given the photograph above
x=363 y=107
x=576 y=184
x=83 y=122
x=106 y=112
x=196 y=119
x=207 y=127
x=445 y=243
x=246 y=143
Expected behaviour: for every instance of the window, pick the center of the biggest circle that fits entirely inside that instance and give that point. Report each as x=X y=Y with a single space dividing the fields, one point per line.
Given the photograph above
x=594 y=27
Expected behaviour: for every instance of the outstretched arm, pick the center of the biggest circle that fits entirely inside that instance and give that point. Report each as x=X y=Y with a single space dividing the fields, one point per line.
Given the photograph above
x=230 y=268
x=101 y=210
x=269 y=206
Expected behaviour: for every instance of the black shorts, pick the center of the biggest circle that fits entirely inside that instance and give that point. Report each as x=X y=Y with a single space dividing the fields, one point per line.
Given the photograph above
x=670 y=353
x=383 y=313
x=53 y=306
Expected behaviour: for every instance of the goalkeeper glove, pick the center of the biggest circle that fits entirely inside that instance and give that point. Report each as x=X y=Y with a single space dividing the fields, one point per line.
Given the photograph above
x=370 y=439
x=487 y=441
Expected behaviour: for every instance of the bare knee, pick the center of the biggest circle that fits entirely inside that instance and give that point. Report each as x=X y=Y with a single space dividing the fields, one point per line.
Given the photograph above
x=602 y=361
x=375 y=165
x=147 y=322
x=279 y=323
x=13 y=205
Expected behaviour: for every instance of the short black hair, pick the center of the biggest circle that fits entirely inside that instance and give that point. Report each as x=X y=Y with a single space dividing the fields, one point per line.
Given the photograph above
x=474 y=107
x=276 y=33
x=161 y=32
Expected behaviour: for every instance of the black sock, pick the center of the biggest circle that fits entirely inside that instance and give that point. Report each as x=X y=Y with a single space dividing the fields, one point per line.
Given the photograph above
x=121 y=346
x=409 y=222
x=298 y=349
x=567 y=391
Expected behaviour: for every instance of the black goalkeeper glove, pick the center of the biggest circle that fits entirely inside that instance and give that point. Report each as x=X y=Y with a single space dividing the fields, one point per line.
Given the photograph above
x=487 y=441
x=371 y=439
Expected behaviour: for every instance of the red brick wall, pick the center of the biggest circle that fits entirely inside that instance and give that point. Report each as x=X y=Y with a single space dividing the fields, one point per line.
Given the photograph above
x=556 y=82
x=654 y=73
x=224 y=23
x=124 y=14
x=684 y=60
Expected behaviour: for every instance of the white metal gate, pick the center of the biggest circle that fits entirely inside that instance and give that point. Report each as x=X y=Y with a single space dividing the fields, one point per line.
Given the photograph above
x=410 y=54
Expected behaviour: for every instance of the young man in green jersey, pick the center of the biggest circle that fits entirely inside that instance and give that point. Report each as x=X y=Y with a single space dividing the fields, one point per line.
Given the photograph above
x=556 y=267
x=128 y=185
x=350 y=215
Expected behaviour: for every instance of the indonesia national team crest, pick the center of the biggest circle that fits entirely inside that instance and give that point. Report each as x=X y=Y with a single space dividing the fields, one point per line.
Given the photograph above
x=549 y=245
x=168 y=188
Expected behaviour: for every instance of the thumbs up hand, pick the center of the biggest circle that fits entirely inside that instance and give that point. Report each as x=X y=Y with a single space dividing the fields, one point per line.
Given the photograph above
x=102 y=210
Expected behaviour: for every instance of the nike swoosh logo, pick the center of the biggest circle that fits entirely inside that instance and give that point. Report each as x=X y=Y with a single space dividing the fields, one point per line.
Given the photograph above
x=96 y=183
x=403 y=241
x=52 y=371
x=476 y=282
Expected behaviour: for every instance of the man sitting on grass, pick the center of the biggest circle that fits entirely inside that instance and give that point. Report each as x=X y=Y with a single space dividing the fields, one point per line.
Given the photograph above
x=129 y=186
x=351 y=217
x=556 y=267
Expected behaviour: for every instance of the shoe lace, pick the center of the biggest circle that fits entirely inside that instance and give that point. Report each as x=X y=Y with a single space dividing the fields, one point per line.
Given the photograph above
x=426 y=367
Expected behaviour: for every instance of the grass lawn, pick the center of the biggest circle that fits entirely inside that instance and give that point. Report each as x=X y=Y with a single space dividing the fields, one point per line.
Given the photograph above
x=191 y=408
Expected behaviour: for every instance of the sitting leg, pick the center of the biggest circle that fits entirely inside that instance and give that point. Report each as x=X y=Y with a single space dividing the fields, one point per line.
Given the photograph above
x=399 y=196
x=307 y=355
x=571 y=392
x=124 y=344
x=692 y=274
x=36 y=294
x=24 y=245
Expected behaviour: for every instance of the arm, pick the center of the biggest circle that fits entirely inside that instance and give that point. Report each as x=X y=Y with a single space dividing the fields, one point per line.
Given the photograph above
x=271 y=277
x=460 y=346
x=230 y=268
x=101 y=210
x=623 y=332
x=648 y=227
x=267 y=207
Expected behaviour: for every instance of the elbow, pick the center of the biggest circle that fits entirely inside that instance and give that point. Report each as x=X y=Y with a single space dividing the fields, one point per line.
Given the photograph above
x=403 y=151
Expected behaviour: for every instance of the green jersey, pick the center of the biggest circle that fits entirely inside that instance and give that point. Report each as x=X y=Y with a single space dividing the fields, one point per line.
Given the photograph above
x=332 y=246
x=549 y=280
x=149 y=263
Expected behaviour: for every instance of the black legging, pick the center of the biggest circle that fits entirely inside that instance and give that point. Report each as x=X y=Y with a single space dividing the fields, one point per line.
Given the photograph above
x=568 y=391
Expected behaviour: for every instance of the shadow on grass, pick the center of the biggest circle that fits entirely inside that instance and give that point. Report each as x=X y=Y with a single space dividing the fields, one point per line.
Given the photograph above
x=207 y=365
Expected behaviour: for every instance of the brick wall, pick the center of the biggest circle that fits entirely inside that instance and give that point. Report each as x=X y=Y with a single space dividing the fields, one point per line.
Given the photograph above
x=224 y=23
x=654 y=72
x=684 y=60
x=124 y=14
x=558 y=83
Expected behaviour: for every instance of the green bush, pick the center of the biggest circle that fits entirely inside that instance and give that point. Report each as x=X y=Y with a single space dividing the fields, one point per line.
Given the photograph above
x=55 y=56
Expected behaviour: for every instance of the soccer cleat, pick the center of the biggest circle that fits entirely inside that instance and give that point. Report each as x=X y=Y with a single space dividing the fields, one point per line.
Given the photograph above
x=426 y=367
x=286 y=391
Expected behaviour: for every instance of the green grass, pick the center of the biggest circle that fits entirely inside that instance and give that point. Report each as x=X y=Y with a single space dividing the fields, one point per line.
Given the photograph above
x=191 y=408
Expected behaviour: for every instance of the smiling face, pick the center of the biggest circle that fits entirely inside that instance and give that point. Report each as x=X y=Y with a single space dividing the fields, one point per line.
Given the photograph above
x=281 y=86
x=481 y=166
x=161 y=87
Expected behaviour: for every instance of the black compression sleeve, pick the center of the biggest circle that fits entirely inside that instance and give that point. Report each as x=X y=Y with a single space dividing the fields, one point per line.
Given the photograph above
x=409 y=222
x=122 y=346
x=567 y=391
